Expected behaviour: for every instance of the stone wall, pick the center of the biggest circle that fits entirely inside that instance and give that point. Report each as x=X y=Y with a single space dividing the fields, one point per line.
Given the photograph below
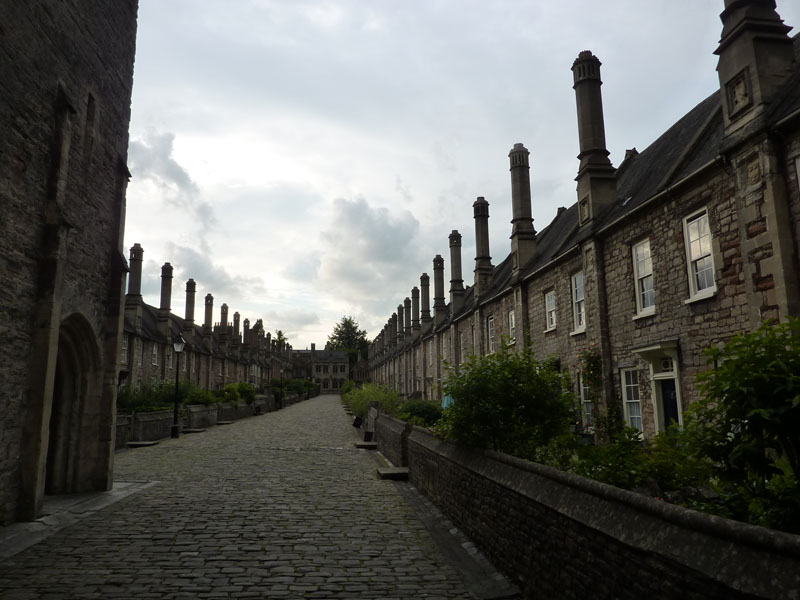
x=392 y=437
x=562 y=536
x=199 y=416
x=151 y=426
x=66 y=75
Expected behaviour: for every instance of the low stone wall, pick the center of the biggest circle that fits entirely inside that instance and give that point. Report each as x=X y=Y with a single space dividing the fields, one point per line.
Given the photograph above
x=234 y=412
x=199 y=416
x=151 y=426
x=123 y=431
x=392 y=437
x=563 y=536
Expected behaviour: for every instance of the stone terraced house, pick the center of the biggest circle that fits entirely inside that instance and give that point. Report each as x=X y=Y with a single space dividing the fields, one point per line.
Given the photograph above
x=66 y=75
x=215 y=354
x=679 y=248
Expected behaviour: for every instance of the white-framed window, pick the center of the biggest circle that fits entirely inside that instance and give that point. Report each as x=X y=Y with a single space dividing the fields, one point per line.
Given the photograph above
x=512 y=328
x=168 y=356
x=490 y=333
x=124 y=357
x=699 y=259
x=578 y=304
x=430 y=353
x=550 y=310
x=195 y=363
x=643 y=276
x=587 y=412
x=443 y=341
x=460 y=347
x=138 y=384
x=185 y=358
x=154 y=355
x=630 y=398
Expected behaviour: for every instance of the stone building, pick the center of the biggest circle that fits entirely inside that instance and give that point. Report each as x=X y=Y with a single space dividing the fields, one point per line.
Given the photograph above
x=66 y=73
x=679 y=248
x=215 y=354
x=327 y=368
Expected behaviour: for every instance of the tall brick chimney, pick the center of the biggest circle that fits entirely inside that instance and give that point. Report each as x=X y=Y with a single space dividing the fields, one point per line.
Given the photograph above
x=236 y=318
x=439 y=306
x=523 y=235
x=425 y=287
x=456 y=279
x=223 y=315
x=191 y=291
x=483 y=260
x=208 y=323
x=755 y=56
x=597 y=183
x=401 y=330
x=135 y=279
x=166 y=287
x=415 y=310
x=407 y=317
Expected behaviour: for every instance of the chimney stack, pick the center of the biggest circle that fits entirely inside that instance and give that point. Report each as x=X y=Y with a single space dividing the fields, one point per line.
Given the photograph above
x=523 y=235
x=401 y=330
x=456 y=280
x=246 y=331
x=166 y=287
x=207 y=324
x=135 y=280
x=393 y=330
x=439 y=306
x=191 y=291
x=755 y=57
x=415 y=310
x=597 y=184
x=236 y=317
x=407 y=319
x=223 y=315
x=483 y=260
x=425 y=286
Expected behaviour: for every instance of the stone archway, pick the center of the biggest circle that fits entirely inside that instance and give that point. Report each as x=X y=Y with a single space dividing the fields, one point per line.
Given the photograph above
x=73 y=438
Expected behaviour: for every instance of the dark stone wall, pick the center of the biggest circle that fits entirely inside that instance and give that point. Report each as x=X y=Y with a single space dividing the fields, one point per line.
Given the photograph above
x=60 y=60
x=562 y=536
x=392 y=437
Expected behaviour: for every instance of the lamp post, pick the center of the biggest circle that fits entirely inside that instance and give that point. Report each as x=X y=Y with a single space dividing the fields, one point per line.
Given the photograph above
x=281 y=406
x=177 y=345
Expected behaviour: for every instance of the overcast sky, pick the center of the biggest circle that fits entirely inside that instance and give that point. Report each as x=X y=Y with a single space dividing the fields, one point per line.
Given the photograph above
x=305 y=160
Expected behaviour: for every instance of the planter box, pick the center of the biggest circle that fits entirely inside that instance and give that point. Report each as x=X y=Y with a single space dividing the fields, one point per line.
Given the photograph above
x=123 y=431
x=151 y=426
x=392 y=437
x=200 y=416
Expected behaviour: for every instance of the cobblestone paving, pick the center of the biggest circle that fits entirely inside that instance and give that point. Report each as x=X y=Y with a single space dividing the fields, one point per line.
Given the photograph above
x=275 y=506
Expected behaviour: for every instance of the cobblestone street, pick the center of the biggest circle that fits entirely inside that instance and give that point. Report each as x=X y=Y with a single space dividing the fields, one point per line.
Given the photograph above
x=278 y=505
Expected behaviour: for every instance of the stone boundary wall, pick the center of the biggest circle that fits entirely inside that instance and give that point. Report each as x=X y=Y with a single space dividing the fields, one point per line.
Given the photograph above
x=123 y=431
x=199 y=416
x=392 y=437
x=150 y=426
x=563 y=536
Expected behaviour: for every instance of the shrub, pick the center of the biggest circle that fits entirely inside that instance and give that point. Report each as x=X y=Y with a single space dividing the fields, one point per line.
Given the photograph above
x=359 y=400
x=421 y=412
x=347 y=387
x=230 y=393
x=246 y=392
x=507 y=401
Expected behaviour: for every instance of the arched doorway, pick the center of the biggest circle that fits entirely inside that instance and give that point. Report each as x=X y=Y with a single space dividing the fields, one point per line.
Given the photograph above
x=73 y=431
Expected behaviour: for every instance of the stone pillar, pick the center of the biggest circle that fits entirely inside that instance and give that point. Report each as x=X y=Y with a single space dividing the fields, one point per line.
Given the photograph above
x=523 y=235
x=439 y=306
x=483 y=260
x=425 y=286
x=135 y=279
x=456 y=279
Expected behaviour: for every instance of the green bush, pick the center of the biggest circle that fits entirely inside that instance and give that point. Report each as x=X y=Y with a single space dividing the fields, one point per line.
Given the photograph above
x=347 y=387
x=359 y=400
x=507 y=401
x=421 y=412
x=230 y=393
x=246 y=392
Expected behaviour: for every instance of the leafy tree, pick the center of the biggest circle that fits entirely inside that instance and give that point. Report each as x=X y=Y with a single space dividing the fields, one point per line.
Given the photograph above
x=507 y=401
x=279 y=336
x=348 y=337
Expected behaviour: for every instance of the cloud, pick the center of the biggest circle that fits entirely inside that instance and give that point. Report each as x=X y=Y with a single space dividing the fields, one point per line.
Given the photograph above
x=213 y=278
x=151 y=159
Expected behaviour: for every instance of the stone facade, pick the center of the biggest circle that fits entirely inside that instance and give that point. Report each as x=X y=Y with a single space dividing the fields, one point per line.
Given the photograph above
x=215 y=354
x=678 y=249
x=67 y=73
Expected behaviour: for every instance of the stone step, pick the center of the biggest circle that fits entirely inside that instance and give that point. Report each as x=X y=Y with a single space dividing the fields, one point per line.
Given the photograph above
x=188 y=430
x=142 y=444
x=367 y=445
x=225 y=422
x=395 y=473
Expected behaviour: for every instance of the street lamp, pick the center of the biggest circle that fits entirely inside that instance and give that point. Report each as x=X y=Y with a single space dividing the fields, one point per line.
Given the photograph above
x=177 y=345
x=281 y=405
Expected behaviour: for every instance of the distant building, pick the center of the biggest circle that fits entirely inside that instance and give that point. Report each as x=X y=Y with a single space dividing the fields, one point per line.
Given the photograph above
x=67 y=74
x=215 y=354
x=328 y=368
x=684 y=245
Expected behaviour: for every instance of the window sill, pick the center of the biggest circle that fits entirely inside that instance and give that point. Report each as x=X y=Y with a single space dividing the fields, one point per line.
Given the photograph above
x=549 y=329
x=578 y=331
x=644 y=314
x=704 y=295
